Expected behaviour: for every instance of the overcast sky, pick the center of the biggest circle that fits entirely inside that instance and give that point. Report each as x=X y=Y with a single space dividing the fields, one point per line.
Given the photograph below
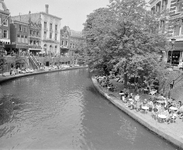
x=72 y=12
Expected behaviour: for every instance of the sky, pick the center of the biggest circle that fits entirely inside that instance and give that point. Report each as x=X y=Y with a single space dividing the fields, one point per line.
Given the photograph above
x=73 y=12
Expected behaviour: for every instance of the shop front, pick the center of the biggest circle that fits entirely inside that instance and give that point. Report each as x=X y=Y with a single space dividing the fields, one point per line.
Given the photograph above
x=175 y=56
x=16 y=49
x=35 y=50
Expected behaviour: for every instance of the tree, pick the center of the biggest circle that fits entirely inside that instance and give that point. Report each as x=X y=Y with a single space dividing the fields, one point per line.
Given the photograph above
x=2 y=64
x=120 y=34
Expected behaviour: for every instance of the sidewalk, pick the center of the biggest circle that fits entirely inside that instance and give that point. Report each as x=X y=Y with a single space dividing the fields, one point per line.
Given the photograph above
x=172 y=132
x=8 y=77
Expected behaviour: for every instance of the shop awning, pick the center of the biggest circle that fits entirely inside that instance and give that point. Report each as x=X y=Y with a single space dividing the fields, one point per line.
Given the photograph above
x=35 y=49
x=5 y=41
x=178 y=46
x=17 y=46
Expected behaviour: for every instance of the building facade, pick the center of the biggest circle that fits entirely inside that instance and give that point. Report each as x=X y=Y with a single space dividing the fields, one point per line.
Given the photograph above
x=171 y=24
x=50 y=38
x=65 y=34
x=18 y=37
x=33 y=31
x=75 y=39
x=4 y=26
x=44 y=31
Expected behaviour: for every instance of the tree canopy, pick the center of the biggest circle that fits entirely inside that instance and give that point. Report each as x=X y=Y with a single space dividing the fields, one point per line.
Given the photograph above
x=123 y=36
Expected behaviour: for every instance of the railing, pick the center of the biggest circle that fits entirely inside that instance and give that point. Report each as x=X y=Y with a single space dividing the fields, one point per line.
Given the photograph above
x=34 y=64
x=35 y=60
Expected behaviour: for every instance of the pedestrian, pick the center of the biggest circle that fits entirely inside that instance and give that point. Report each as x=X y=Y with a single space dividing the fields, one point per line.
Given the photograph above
x=122 y=94
x=11 y=69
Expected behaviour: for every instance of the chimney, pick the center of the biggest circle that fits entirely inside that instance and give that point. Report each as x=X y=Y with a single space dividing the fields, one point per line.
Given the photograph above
x=29 y=16
x=46 y=8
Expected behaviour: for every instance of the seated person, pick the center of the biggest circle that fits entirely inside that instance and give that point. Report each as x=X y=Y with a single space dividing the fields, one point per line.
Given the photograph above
x=150 y=105
x=137 y=97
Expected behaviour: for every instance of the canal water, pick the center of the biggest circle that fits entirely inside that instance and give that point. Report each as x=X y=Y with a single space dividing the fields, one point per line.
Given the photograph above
x=63 y=110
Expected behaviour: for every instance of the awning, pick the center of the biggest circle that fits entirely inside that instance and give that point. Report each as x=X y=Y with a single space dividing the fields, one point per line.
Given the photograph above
x=17 y=46
x=5 y=41
x=178 y=45
x=35 y=49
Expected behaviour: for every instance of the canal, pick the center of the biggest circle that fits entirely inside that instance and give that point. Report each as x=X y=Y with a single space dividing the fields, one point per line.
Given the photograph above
x=63 y=110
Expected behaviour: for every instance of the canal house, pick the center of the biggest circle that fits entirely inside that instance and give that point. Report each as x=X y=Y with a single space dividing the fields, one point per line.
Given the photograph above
x=18 y=37
x=170 y=14
x=33 y=32
x=4 y=26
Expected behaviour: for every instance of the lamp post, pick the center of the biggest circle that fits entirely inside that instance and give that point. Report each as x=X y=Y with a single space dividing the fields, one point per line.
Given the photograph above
x=172 y=42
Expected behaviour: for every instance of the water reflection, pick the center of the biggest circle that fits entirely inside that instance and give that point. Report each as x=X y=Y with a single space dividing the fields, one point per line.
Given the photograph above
x=127 y=131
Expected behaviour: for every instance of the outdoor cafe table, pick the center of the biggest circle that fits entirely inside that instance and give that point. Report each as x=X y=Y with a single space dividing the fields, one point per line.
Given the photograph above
x=160 y=97
x=145 y=108
x=121 y=94
x=162 y=117
x=160 y=101
x=173 y=108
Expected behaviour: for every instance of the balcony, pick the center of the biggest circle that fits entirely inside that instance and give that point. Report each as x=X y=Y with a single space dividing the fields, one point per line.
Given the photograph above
x=34 y=46
x=35 y=36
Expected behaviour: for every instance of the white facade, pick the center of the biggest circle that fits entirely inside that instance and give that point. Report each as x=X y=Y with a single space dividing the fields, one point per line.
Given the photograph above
x=50 y=37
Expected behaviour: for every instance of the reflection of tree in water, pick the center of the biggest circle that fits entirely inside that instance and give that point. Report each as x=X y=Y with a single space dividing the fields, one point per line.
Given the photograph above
x=8 y=104
x=127 y=131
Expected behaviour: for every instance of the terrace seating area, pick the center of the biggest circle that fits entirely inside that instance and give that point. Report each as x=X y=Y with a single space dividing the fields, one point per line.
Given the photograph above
x=160 y=108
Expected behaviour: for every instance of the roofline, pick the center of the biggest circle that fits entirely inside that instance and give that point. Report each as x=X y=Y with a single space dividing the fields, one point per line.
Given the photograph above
x=39 y=13
x=17 y=21
x=50 y=15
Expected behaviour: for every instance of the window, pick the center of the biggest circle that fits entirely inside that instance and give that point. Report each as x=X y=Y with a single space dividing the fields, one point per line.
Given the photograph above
x=182 y=26
x=177 y=30
x=37 y=33
x=20 y=28
x=18 y=38
x=26 y=40
x=45 y=25
x=25 y=29
x=178 y=5
x=50 y=35
x=162 y=25
x=5 y=22
x=55 y=37
x=55 y=27
x=45 y=35
x=62 y=42
x=30 y=32
x=50 y=26
x=158 y=7
x=164 y=4
x=22 y=39
x=65 y=43
x=5 y=34
x=55 y=49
